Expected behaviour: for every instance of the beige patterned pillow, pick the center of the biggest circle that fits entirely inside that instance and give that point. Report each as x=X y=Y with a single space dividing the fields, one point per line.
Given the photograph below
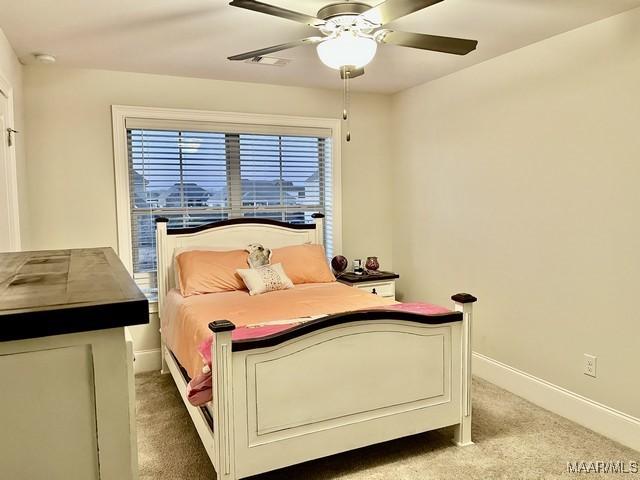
x=265 y=279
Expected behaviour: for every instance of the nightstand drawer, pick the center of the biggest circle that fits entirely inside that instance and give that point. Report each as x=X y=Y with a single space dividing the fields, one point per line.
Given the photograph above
x=384 y=289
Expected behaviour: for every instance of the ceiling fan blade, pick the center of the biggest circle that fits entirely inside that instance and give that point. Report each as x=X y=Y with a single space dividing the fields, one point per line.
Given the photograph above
x=278 y=12
x=456 y=46
x=391 y=10
x=276 y=48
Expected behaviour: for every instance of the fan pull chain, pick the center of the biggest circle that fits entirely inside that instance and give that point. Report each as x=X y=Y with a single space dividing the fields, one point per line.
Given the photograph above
x=346 y=103
x=344 y=98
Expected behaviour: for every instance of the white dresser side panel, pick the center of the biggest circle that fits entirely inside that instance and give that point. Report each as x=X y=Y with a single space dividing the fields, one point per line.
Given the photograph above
x=47 y=413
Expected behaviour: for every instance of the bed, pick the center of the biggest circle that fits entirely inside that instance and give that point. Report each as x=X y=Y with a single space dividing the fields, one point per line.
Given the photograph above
x=334 y=382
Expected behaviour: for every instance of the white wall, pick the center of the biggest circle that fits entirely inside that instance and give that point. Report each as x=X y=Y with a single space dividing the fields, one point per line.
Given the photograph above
x=518 y=180
x=11 y=70
x=71 y=180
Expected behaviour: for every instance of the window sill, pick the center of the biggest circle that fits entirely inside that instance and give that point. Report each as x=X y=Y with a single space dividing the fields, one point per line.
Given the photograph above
x=153 y=307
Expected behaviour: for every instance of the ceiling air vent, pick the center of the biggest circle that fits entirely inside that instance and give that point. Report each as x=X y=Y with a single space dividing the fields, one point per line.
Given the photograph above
x=271 y=61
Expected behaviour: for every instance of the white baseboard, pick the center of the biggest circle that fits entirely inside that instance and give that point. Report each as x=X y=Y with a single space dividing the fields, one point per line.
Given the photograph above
x=611 y=423
x=147 y=361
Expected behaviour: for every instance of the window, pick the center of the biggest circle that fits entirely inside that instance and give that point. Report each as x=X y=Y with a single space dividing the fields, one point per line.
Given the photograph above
x=195 y=173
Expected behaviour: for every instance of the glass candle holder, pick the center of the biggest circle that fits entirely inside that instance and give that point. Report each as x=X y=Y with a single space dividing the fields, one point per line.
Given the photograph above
x=372 y=264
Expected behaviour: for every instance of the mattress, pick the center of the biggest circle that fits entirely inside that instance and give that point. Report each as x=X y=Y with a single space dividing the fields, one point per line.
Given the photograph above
x=185 y=320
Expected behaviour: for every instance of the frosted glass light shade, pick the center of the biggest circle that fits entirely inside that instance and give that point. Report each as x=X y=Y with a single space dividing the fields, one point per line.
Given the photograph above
x=347 y=49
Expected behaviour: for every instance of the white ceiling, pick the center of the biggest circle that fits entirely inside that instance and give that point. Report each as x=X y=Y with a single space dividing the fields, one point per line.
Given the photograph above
x=194 y=37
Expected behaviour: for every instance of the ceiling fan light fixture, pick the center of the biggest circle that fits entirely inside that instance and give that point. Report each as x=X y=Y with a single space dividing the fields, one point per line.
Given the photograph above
x=347 y=48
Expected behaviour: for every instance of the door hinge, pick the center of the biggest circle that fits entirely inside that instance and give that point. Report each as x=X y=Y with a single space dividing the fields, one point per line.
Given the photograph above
x=10 y=133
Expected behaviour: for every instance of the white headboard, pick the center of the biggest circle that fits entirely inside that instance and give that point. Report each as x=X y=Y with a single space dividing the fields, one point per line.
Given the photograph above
x=228 y=234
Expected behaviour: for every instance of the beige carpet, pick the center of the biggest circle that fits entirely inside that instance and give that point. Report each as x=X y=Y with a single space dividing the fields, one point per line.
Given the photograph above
x=513 y=439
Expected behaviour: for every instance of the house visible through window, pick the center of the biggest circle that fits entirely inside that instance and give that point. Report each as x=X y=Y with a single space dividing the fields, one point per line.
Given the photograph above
x=197 y=177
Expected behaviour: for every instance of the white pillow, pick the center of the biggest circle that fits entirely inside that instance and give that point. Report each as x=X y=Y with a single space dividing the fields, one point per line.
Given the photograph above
x=265 y=279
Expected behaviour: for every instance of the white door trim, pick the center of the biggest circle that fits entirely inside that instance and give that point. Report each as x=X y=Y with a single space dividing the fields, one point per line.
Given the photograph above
x=600 y=418
x=11 y=169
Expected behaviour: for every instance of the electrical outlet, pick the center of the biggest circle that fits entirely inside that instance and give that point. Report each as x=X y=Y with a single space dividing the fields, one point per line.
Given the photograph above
x=590 y=362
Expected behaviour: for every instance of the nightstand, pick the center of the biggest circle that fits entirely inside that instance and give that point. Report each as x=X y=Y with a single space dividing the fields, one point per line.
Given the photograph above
x=381 y=283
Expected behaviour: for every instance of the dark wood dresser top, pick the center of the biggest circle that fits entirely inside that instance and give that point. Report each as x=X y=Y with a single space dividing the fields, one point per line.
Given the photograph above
x=380 y=276
x=52 y=292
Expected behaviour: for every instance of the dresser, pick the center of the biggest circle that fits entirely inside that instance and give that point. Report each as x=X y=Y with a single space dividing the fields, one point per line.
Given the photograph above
x=66 y=373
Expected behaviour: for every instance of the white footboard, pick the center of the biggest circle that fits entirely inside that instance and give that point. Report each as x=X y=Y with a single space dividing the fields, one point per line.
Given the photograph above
x=337 y=388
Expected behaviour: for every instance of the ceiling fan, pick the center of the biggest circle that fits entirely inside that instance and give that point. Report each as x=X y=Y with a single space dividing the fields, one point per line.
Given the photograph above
x=351 y=32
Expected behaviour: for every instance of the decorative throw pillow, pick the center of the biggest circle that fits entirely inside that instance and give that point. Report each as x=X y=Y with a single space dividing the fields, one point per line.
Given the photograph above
x=267 y=278
x=258 y=255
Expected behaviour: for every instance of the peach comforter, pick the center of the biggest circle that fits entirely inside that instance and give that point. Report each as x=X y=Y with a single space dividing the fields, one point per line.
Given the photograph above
x=185 y=320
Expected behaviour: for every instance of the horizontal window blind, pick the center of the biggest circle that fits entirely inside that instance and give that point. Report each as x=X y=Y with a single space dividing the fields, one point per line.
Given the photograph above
x=194 y=177
x=240 y=128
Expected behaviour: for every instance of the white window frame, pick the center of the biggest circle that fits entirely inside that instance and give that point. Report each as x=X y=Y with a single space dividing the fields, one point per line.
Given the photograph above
x=120 y=113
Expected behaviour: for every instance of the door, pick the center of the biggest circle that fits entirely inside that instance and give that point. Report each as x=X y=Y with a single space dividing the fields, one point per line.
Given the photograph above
x=8 y=205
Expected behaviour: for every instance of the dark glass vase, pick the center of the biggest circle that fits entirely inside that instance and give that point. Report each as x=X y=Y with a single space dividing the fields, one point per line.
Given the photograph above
x=372 y=264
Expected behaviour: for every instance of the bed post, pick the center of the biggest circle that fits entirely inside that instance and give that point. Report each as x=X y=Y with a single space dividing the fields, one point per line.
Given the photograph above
x=161 y=237
x=222 y=378
x=463 y=302
x=318 y=219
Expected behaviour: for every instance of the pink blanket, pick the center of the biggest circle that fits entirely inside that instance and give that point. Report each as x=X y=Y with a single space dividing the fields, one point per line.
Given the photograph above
x=199 y=389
